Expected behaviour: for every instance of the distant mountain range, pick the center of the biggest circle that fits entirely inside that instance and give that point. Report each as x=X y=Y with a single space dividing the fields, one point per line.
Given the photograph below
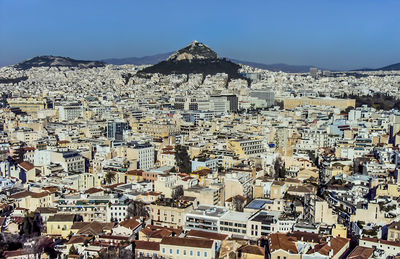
x=55 y=61
x=393 y=67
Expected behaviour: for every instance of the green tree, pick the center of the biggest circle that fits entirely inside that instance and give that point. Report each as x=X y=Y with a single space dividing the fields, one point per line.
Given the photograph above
x=110 y=177
x=177 y=192
x=31 y=225
x=73 y=250
x=279 y=168
x=137 y=208
x=183 y=160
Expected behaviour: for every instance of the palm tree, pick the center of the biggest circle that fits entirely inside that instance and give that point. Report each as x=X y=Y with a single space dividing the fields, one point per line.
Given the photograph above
x=110 y=177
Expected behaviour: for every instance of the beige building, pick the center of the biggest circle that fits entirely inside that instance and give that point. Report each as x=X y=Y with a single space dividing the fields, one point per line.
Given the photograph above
x=32 y=200
x=372 y=214
x=245 y=148
x=212 y=195
x=394 y=231
x=323 y=213
x=291 y=103
x=181 y=248
x=169 y=213
x=28 y=105
x=60 y=224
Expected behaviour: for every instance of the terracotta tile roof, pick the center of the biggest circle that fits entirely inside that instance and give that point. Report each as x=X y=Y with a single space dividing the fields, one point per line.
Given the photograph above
x=130 y=223
x=39 y=194
x=20 y=195
x=51 y=189
x=147 y=245
x=95 y=228
x=252 y=249
x=135 y=172
x=93 y=190
x=160 y=232
x=206 y=234
x=26 y=165
x=15 y=253
x=61 y=218
x=306 y=236
x=25 y=194
x=79 y=225
x=361 y=252
x=282 y=241
x=187 y=242
x=78 y=239
x=335 y=244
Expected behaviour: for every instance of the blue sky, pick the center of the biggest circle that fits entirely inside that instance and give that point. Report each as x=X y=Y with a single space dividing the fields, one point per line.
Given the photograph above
x=336 y=34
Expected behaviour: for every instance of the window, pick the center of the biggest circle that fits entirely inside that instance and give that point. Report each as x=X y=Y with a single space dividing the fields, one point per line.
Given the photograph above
x=163 y=250
x=205 y=254
x=177 y=251
x=184 y=252
x=198 y=253
x=191 y=253
x=170 y=251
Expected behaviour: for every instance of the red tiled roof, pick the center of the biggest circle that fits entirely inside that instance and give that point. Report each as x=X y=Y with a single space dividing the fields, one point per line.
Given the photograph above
x=206 y=234
x=130 y=223
x=361 y=252
x=26 y=165
x=147 y=245
x=282 y=241
x=188 y=242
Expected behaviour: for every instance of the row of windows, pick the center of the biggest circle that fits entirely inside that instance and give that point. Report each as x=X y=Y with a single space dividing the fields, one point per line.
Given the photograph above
x=184 y=252
x=233 y=224
x=233 y=230
x=118 y=214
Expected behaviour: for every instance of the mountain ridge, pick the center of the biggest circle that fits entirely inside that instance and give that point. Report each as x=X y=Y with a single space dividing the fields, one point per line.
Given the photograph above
x=154 y=59
x=195 y=58
x=57 y=61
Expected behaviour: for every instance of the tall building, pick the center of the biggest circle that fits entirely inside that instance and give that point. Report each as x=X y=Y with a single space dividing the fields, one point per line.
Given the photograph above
x=314 y=72
x=264 y=94
x=144 y=153
x=69 y=112
x=219 y=104
x=233 y=102
x=115 y=129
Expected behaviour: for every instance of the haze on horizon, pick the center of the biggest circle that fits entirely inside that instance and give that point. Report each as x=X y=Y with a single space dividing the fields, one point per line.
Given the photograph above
x=330 y=34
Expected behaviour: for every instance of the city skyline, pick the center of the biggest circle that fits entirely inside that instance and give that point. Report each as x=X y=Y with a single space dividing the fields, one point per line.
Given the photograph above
x=337 y=36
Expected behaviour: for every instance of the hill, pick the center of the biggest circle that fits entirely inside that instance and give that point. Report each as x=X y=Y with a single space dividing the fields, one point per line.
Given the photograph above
x=55 y=61
x=195 y=58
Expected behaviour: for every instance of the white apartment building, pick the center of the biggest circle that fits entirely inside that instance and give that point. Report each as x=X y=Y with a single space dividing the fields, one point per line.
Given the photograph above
x=70 y=160
x=67 y=113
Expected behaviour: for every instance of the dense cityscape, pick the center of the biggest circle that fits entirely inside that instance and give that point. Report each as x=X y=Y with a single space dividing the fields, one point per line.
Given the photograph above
x=125 y=161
